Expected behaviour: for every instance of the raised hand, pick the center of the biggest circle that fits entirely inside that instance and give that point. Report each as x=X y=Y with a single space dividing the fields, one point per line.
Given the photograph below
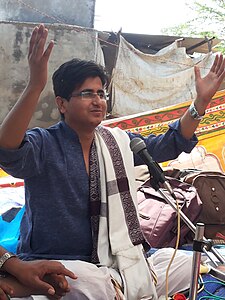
x=206 y=87
x=20 y=115
x=38 y=57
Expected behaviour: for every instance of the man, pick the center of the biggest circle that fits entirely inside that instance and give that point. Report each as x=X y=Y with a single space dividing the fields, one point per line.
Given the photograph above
x=79 y=176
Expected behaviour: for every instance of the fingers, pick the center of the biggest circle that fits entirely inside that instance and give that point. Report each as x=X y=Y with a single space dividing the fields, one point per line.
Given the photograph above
x=219 y=62
x=48 y=50
x=59 y=283
x=68 y=273
x=52 y=281
x=55 y=273
x=33 y=40
x=37 y=43
x=213 y=68
x=218 y=68
x=43 y=286
x=54 y=297
x=197 y=73
x=4 y=291
x=218 y=65
x=59 y=269
x=41 y=40
x=221 y=70
x=3 y=295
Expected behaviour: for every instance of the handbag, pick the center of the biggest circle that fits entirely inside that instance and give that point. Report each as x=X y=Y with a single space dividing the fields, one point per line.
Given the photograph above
x=158 y=219
x=210 y=186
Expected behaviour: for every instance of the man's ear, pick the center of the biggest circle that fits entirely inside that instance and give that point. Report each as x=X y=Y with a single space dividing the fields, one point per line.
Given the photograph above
x=60 y=102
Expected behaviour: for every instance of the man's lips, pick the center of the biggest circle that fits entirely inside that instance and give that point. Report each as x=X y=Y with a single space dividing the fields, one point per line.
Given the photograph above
x=96 y=111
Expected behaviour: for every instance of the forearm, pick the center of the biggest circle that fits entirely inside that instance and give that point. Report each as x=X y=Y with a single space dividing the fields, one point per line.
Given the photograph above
x=188 y=125
x=16 y=123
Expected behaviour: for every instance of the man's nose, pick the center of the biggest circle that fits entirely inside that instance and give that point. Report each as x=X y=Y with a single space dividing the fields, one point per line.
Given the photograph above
x=96 y=98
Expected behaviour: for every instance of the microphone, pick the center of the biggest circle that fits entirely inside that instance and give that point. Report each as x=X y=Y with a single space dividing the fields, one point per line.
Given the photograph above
x=137 y=145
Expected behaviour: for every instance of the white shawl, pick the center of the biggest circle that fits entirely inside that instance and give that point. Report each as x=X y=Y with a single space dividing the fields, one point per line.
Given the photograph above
x=115 y=245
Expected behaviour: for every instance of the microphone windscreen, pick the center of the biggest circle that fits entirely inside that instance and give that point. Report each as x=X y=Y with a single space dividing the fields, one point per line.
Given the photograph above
x=137 y=145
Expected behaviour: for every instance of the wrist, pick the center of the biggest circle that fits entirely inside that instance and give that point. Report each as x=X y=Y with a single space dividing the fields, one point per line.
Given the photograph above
x=197 y=112
x=200 y=105
x=15 y=267
x=34 y=89
x=7 y=260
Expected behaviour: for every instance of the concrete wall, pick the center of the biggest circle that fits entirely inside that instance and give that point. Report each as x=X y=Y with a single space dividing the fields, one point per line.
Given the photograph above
x=75 y=12
x=70 y=42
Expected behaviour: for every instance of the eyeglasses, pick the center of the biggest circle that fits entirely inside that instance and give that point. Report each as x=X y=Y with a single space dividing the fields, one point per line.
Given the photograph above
x=89 y=95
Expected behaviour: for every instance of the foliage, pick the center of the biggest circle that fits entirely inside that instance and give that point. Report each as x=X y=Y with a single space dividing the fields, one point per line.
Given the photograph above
x=210 y=16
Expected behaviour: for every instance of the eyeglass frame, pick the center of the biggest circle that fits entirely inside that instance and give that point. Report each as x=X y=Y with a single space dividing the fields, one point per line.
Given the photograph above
x=92 y=95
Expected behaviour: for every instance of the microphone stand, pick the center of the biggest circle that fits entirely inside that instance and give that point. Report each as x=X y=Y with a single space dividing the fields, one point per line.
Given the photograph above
x=198 y=247
x=158 y=180
x=200 y=244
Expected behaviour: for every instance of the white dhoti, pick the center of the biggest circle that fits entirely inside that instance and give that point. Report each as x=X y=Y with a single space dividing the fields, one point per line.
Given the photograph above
x=94 y=283
x=179 y=273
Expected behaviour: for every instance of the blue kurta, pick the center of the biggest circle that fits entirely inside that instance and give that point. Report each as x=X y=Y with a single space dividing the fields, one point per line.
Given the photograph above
x=56 y=223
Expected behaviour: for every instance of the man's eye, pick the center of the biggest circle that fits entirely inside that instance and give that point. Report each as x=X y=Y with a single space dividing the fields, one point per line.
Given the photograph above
x=101 y=95
x=87 y=94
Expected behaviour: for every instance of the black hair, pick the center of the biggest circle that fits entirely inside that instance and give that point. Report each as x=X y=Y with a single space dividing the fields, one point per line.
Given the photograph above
x=73 y=73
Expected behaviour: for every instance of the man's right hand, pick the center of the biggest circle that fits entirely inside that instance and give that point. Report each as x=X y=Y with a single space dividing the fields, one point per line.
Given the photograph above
x=38 y=58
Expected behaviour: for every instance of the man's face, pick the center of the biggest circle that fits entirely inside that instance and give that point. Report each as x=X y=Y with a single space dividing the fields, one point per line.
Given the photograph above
x=85 y=109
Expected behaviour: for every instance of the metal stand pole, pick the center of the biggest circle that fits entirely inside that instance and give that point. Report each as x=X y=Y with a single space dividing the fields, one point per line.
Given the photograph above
x=199 y=234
